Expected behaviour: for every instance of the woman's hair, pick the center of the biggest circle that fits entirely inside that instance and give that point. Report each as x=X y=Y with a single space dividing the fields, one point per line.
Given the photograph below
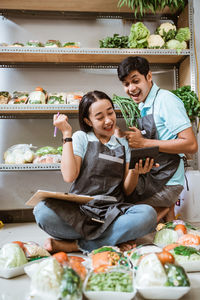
x=85 y=104
x=133 y=63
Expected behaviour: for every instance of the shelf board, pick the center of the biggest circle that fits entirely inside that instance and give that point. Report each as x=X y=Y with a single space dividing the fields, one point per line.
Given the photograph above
x=86 y=55
x=29 y=167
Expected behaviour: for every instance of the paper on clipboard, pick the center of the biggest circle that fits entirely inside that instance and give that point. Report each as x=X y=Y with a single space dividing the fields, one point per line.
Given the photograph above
x=42 y=195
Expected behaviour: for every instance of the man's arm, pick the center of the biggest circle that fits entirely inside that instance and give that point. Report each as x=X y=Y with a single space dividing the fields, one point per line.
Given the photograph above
x=184 y=143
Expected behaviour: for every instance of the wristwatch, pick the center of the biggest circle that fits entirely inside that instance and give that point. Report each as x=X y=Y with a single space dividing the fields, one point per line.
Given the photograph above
x=68 y=139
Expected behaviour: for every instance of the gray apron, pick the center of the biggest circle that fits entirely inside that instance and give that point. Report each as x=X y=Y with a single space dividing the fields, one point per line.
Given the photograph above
x=101 y=175
x=153 y=182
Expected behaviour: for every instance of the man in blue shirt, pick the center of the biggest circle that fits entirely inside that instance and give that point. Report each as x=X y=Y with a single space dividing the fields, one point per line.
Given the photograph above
x=166 y=125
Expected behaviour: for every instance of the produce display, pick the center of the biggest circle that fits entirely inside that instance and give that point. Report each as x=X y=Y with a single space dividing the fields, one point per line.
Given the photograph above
x=47 y=44
x=137 y=253
x=152 y=271
x=179 y=232
x=57 y=277
x=40 y=96
x=23 y=153
x=165 y=36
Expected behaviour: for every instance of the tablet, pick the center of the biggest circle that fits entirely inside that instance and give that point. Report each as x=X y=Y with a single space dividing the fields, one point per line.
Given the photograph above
x=143 y=153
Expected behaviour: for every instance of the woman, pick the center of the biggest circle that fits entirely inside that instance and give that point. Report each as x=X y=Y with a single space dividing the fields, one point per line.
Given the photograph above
x=98 y=165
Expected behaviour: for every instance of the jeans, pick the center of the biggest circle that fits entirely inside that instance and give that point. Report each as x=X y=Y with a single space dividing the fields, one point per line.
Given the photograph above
x=138 y=221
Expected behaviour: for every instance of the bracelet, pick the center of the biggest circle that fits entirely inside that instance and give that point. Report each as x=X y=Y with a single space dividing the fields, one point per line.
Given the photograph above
x=67 y=140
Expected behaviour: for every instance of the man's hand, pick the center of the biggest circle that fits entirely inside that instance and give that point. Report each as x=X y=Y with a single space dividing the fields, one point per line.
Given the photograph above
x=135 y=138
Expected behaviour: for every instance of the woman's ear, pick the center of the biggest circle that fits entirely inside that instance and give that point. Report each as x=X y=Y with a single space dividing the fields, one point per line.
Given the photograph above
x=88 y=122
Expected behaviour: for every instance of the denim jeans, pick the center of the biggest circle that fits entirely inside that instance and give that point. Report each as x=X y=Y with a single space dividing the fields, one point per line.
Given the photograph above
x=138 y=221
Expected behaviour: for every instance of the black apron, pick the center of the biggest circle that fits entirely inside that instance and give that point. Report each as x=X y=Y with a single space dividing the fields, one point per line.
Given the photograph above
x=101 y=176
x=153 y=182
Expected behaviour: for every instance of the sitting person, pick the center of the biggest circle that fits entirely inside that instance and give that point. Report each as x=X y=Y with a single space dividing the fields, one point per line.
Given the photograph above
x=165 y=124
x=97 y=164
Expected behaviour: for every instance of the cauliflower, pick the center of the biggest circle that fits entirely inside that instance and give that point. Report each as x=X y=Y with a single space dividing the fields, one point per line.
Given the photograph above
x=155 y=41
x=165 y=27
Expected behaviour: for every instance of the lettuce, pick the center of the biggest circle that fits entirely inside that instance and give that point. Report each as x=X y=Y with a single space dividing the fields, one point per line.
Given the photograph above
x=11 y=256
x=46 y=150
x=138 y=36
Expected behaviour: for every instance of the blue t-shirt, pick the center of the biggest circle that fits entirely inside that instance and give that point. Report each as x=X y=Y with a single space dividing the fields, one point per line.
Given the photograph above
x=170 y=118
x=81 y=138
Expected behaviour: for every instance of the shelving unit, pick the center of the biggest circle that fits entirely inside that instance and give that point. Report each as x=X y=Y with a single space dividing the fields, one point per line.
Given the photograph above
x=184 y=63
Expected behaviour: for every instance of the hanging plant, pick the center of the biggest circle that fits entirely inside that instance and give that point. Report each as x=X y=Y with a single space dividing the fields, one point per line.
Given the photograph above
x=140 y=7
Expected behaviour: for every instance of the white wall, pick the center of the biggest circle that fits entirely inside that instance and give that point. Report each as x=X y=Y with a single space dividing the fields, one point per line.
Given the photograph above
x=17 y=187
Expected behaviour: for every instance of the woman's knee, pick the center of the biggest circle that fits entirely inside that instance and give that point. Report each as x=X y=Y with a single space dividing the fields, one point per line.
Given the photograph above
x=43 y=214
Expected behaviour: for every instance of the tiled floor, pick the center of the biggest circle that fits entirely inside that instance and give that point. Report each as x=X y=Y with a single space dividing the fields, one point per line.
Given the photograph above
x=18 y=288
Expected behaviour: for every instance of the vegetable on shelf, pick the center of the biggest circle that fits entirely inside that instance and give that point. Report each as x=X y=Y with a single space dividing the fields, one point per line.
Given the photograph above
x=155 y=41
x=116 y=41
x=138 y=36
x=129 y=109
x=167 y=31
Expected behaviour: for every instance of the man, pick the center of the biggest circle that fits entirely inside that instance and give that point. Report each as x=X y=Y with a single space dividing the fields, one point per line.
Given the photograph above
x=164 y=123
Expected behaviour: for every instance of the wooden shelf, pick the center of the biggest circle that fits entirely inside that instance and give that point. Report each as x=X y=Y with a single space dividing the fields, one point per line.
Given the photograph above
x=70 y=6
x=89 y=56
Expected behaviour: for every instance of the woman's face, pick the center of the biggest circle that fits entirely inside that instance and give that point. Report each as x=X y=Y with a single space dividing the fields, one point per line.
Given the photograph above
x=102 y=119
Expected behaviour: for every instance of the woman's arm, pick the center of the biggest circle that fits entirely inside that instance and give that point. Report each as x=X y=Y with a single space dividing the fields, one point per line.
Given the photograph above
x=70 y=163
x=132 y=175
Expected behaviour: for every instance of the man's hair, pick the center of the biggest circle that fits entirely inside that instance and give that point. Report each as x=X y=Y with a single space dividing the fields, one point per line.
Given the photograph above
x=133 y=63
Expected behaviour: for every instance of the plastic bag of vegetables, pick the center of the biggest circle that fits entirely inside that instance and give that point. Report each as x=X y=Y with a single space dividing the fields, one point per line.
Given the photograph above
x=177 y=231
x=19 y=154
x=50 y=280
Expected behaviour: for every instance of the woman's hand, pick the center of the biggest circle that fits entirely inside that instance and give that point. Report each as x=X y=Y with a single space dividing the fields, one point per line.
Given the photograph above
x=143 y=169
x=61 y=122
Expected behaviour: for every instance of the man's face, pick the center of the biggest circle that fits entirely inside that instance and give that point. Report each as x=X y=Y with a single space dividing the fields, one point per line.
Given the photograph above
x=137 y=86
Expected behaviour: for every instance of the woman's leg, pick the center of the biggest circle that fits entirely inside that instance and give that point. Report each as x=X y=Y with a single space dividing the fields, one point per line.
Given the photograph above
x=64 y=235
x=138 y=221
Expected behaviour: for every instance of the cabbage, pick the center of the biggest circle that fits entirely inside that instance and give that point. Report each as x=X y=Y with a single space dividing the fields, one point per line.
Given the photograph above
x=138 y=36
x=46 y=277
x=150 y=272
x=183 y=34
x=11 y=256
x=165 y=237
x=175 y=44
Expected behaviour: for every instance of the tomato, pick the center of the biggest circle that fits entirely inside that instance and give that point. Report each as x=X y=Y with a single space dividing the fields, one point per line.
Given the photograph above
x=189 y=239
x=181 y=227
x=61 y=257
x=165 y=257
x=170 y=246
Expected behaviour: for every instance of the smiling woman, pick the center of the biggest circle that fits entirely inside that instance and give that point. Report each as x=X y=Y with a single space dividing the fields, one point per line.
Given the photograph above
x=97 y=164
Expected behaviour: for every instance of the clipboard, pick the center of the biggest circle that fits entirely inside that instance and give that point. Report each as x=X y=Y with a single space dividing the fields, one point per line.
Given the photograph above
x=42 y=195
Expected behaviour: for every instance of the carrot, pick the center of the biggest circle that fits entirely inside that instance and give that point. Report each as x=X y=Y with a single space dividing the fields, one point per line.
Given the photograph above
x=78 y=268
x=21 y=244
x=189 y=239
x=61 y=257
x=165 y=257
x=38 y=88
x=170 y=247
x=101 y=258
x=181 y=227
x=76 y=258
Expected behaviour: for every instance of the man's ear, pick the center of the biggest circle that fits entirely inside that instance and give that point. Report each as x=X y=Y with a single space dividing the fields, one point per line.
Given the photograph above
x=149 y=76
x=88 y=122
